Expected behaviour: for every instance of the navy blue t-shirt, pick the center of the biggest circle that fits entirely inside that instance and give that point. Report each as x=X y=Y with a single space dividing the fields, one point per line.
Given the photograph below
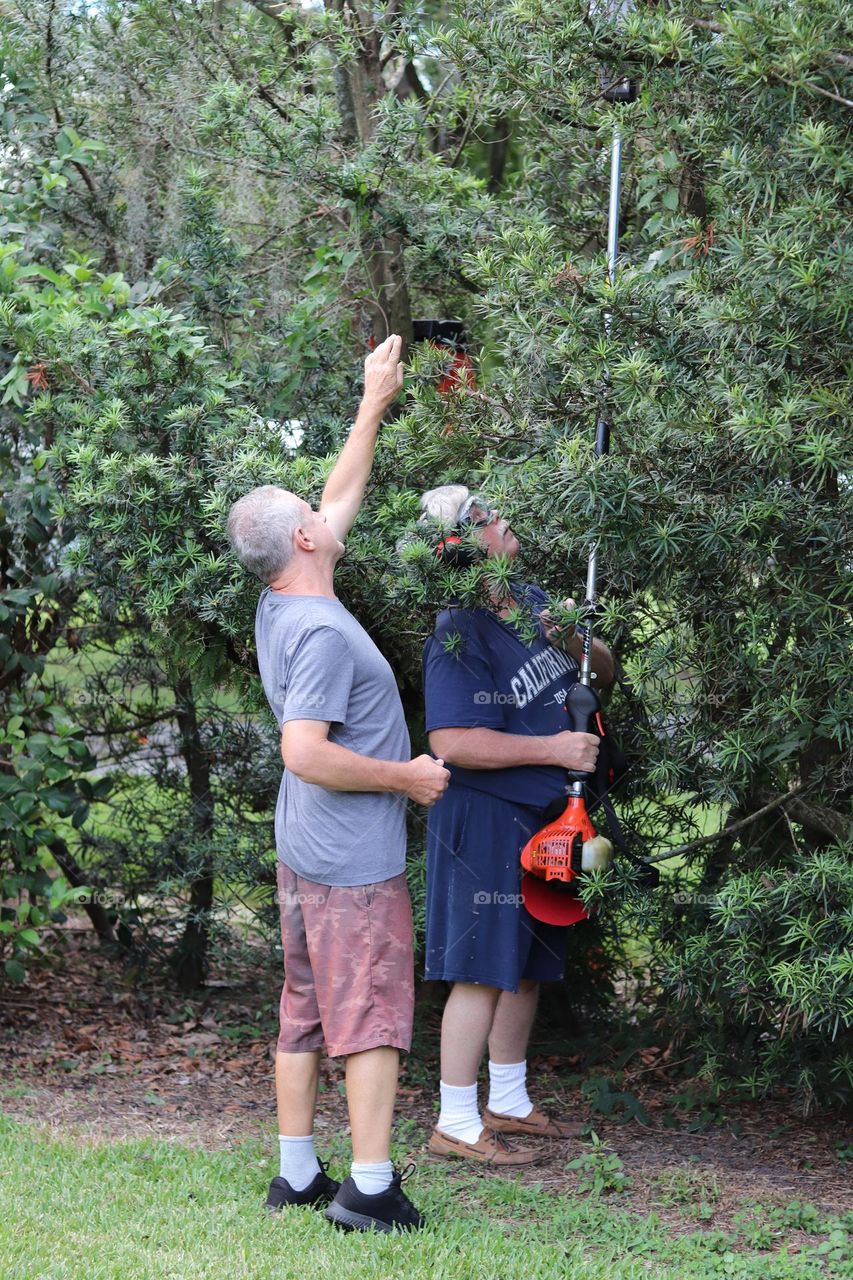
x=493 y=680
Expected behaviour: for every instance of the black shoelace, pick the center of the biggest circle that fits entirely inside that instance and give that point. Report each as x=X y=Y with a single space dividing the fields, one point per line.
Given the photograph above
x=400 y=1176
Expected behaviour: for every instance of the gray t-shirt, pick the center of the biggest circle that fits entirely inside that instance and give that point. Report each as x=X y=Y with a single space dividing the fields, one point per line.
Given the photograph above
x=318 y=663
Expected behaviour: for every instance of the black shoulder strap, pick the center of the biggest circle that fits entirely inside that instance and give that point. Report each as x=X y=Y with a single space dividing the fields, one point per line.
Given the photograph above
x=649 y=874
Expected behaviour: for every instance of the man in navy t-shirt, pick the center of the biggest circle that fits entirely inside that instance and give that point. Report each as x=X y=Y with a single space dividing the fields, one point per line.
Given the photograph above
x=494 y=714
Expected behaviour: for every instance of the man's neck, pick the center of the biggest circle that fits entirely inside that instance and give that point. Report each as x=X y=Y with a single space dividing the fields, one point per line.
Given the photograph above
x=306 y=582
x=502 y=604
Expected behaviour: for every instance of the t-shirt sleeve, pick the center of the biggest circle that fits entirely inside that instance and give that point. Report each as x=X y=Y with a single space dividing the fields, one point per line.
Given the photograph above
x=536 y=600
x=319 y=677
x=459 y=686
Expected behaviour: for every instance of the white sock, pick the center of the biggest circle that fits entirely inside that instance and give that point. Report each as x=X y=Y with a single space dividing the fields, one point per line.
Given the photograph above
x=508 y=1089
x=460 y=1116
x=372 y=1179
x=299 y=1164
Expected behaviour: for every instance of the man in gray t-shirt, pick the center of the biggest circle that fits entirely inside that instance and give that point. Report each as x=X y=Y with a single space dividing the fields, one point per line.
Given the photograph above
x=318 y=663
x=344 y=907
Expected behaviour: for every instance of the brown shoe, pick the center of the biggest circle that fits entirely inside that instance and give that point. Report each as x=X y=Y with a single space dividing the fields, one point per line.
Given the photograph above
x=490 y=1148
x=536 y=1125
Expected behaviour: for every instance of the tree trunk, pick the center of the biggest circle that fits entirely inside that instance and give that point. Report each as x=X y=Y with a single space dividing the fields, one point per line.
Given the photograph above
x=76 y=876
x=358 y=88
x=498 y=150
x=390 y=304
x=189 y=960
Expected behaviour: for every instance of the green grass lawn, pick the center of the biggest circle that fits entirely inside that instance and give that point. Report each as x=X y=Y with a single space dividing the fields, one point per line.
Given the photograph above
x=136 y=1209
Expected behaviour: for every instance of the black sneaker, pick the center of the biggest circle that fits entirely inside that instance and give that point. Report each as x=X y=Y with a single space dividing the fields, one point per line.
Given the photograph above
x=391 y=1210
x=320 y=1191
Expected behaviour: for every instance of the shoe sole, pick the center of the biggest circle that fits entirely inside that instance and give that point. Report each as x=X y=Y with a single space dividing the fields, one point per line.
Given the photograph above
x=349 y=1220
x=274 y=1209
x=537 y=1135
x=514 y=1131
x=486 y=1161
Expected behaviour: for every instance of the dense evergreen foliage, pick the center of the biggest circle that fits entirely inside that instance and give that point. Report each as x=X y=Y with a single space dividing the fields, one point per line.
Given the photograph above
x=208 y=212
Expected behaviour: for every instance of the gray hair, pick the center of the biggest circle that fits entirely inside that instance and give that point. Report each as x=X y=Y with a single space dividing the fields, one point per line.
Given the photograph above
x=260 y=528
x=443 y=504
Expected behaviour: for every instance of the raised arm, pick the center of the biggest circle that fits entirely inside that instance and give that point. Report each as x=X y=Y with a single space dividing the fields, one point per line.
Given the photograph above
x=568 y=639
x=344 y=491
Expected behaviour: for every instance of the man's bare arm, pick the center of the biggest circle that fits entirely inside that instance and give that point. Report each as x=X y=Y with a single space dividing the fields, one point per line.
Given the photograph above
x=344 y=491
x=601 y=659
x=493 y=749
x=308 y=753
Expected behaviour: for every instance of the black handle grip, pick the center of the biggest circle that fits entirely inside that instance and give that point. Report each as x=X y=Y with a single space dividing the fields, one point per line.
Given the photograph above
x=582 y=706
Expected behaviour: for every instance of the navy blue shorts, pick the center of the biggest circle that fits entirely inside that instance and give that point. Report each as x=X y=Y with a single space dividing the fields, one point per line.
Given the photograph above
x=477 y=928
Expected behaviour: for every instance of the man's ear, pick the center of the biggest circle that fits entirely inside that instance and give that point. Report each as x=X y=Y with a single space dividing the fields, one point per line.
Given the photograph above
x=303 y=540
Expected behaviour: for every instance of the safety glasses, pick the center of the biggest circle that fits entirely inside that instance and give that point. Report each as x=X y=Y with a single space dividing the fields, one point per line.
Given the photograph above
x=480 y=521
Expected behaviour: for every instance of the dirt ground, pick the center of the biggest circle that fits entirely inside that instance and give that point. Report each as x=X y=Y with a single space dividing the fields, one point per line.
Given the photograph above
x=82 y=1051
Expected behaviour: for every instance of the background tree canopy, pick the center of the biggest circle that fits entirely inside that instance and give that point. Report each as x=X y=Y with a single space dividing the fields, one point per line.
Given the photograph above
x=207 y=211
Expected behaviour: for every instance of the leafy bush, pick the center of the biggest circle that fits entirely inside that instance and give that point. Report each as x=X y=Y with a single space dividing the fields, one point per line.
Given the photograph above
x=722 y=514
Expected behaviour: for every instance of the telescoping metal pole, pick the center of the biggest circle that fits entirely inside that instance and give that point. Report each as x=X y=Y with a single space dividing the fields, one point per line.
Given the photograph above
x=563 y=848
x=602 y=426
x=583 y=704
x=614 y=90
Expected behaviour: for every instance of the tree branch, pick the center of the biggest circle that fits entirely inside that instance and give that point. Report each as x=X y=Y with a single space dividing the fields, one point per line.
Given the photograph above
x=840 y=60
x=727 y=831
x=818 y=817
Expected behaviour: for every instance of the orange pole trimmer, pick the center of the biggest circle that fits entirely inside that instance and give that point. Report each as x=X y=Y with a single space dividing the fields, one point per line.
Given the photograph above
x=556 y=855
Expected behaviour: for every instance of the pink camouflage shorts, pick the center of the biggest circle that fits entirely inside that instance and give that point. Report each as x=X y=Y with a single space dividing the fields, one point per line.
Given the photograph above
x=349 y=972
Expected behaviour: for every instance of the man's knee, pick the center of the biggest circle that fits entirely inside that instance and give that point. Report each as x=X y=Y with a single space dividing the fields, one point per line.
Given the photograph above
x=476 y=991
